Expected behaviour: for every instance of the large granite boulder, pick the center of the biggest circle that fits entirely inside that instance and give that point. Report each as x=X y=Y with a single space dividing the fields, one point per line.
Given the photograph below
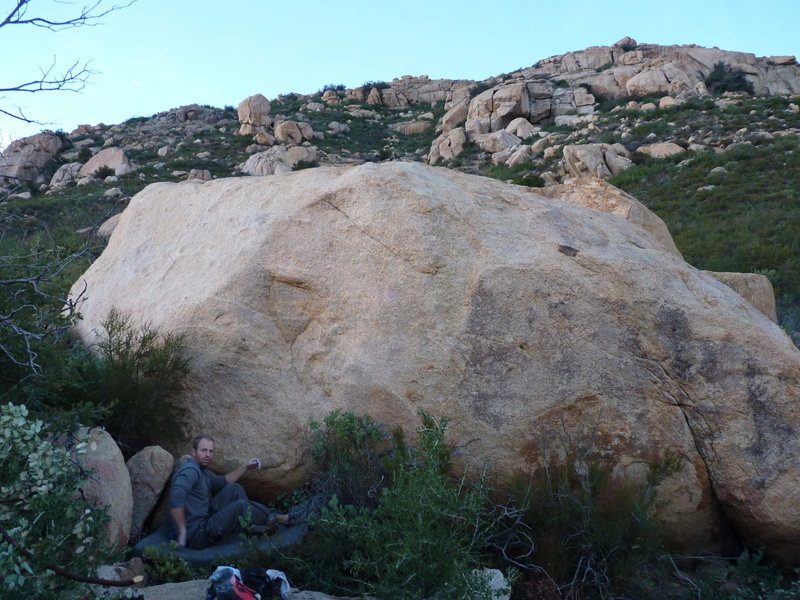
x=386 y=288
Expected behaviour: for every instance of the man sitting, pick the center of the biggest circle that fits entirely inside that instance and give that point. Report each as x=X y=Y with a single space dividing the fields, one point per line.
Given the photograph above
x=206 y=507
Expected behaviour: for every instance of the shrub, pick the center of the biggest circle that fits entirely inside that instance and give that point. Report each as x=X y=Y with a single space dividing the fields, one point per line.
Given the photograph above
x=423 y=534
x=725 y=78
x=305 y=164
x=479 y=88
x=380 y=85
x=48 y=529
x=140 y=374
x=349 y=450
x=103 y=172
x=594 y=532
x=168 y=566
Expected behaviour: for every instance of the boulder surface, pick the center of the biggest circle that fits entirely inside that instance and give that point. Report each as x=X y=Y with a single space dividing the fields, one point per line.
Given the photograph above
x=109 y=484
x=386 y=288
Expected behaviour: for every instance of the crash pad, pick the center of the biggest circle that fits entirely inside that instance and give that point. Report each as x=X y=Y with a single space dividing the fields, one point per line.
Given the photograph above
x=225 y=549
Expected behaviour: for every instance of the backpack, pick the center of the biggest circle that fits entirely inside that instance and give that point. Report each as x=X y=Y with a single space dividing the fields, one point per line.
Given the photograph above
x=258 y=579
x=226 y=584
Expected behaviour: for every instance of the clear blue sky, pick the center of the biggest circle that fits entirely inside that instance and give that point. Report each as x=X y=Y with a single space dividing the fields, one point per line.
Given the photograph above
x=160 y=54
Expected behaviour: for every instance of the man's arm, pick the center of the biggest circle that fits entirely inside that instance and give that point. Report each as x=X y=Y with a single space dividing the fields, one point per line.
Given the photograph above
x=179 y=514
x=184 y=479
x=234 y=475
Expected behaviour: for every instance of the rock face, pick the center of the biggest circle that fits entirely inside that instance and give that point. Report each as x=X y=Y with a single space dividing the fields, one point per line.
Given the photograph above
x=149 y=470
x=26 y=159
x=110 y=484
x=390 y=287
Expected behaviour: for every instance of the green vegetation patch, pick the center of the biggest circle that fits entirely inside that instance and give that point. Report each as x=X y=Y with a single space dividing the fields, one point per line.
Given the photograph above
x=745 y=220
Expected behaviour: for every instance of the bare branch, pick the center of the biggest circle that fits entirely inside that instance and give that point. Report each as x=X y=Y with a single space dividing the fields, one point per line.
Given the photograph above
x=88 y=15
x=74 y=77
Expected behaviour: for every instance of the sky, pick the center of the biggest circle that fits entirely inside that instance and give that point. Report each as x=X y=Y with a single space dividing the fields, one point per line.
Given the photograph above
x=160 y=54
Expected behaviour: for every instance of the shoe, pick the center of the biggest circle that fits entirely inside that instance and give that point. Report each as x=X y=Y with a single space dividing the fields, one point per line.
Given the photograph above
x=267 y=529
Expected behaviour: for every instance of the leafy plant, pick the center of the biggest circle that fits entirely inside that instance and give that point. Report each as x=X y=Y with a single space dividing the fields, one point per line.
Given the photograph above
x=166 y=565
x=103 y=172
x=49 y=534
x=422 y=538
x=350 y=451
x=140 y=375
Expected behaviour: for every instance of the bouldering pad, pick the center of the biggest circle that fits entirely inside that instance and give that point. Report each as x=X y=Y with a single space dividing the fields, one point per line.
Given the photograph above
x=225 y=549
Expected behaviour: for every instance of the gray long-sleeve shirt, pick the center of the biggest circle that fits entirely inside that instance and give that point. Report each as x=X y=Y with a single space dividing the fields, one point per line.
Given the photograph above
x=192 y=489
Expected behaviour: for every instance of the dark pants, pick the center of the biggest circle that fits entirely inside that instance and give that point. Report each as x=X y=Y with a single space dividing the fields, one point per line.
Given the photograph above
x=227 y=506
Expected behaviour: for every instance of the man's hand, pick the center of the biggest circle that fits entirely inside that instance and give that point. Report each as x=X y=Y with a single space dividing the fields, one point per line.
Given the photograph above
x=179 y=514
x=253 y=463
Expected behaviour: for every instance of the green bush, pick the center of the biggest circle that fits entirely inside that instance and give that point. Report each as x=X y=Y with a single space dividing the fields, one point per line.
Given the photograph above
x=725 y=78
x=46 y=524
x=350 y=451
x=422 y=536
x=167 y=566
x=140 y=374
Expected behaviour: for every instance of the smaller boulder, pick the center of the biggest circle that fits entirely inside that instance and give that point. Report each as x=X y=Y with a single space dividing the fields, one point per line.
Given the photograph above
x=113 y=158
x=594 y=160
x=288 y=132
x=150 y=470
x=661 y=149
x=201 y=174
x=448 y=145
x=497 y=141
x=65 y=175
x=253 y=114
x=522 y=128
x=262 y=138
x=110 y=483
x=753 y=287
x=330 y=97
x=456 y=116
x=107 y=227
x=335 y=128
x=411 y=127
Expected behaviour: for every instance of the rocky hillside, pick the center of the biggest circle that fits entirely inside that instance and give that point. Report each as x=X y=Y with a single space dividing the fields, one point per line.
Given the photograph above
x=609 y=112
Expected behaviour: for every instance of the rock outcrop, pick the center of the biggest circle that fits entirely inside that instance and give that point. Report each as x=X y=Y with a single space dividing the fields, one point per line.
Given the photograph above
x=253 y=114
x=390 y=287
x=26 y=159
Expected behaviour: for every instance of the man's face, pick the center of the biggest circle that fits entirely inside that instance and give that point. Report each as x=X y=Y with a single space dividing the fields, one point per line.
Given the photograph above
x=204 y=453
